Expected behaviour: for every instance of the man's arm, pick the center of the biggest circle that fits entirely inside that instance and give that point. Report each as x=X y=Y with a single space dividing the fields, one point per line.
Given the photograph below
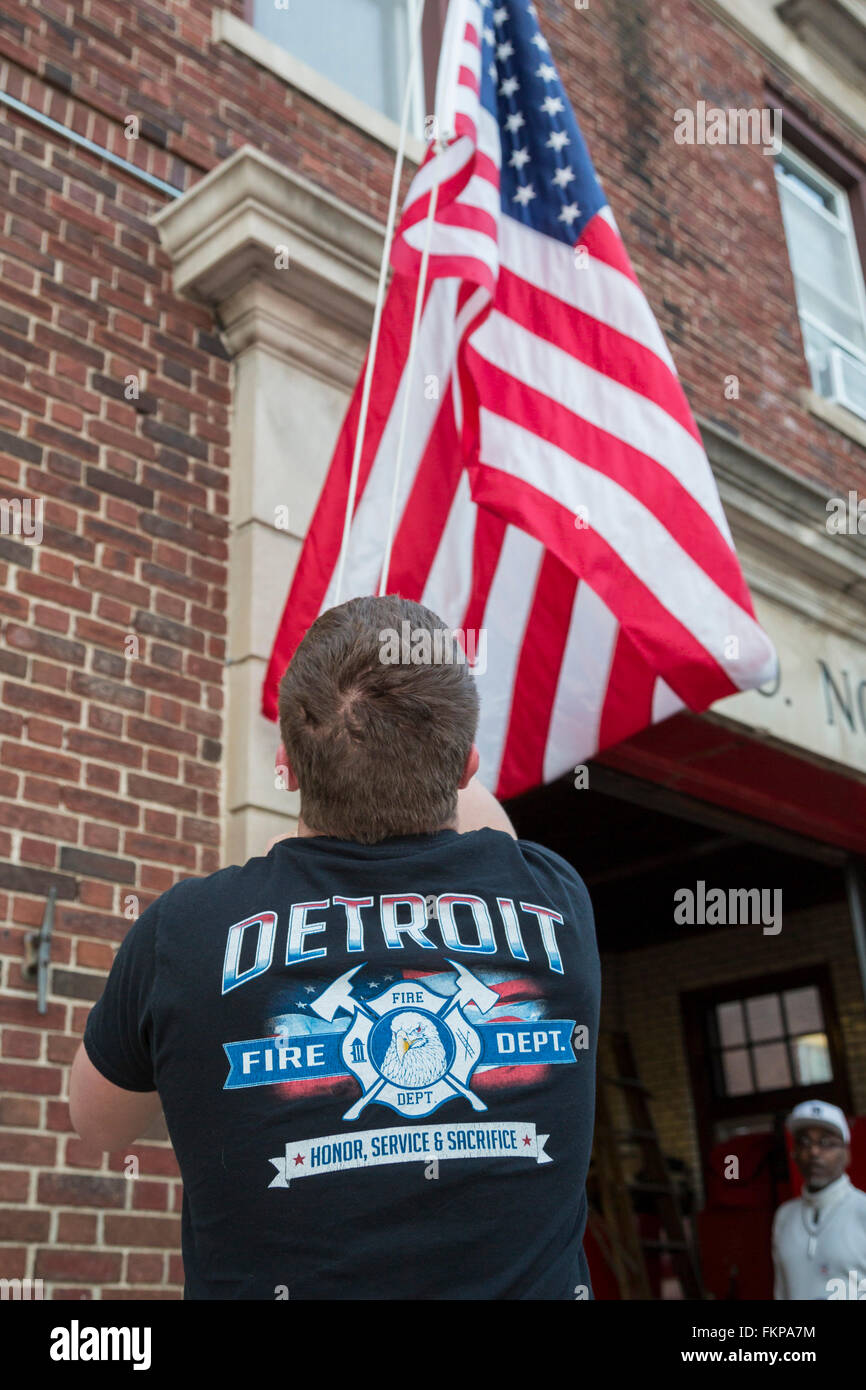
x=104 y=1115
x=478 y=809
x=113 y=1099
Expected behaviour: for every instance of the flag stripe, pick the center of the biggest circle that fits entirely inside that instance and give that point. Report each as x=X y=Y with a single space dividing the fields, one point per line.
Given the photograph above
x=506 y=614
x=537 y=675
x=675 y=507
x=598 y=290
x=628 y=699
x=581 y=690
x=603 y=403
x=590 y=340
x=656 y=581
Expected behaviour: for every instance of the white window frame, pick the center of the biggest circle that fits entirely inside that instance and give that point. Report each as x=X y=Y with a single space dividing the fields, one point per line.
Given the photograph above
x=417 y=108
x=237 y=34
x=844 y=222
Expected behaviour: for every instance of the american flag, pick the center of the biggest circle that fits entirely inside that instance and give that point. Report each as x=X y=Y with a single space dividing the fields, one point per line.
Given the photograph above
x=554 y=493
x=521 y=997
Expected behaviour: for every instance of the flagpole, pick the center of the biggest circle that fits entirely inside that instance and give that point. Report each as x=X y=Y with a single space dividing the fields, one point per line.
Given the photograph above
x=380 y=300
x=407 y=381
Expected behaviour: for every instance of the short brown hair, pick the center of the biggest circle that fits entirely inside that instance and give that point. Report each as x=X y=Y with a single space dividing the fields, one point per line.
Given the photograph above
x=378 y=745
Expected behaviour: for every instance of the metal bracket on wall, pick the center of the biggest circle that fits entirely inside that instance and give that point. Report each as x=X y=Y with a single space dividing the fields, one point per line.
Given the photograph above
x=38 y=944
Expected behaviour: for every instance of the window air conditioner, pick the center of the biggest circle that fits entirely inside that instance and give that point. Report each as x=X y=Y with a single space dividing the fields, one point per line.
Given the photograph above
x=847 y=382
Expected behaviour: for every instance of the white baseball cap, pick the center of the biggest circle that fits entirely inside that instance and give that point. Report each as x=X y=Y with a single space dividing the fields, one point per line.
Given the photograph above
x=819 y=1112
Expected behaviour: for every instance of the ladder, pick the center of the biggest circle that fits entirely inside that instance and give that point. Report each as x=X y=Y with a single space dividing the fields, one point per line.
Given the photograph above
x=618 y=1233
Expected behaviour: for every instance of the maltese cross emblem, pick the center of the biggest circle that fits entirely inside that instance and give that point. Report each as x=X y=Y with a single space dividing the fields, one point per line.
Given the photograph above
x=410 y=1048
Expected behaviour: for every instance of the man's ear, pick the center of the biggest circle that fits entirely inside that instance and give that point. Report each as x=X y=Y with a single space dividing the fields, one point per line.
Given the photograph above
x=470 y=768
x=283 y=762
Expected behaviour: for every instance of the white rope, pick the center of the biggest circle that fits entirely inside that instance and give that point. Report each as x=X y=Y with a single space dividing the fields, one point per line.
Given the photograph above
x=407 y=385
x=380 y=299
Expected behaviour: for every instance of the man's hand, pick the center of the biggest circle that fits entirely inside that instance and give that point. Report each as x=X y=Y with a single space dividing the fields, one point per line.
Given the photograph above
x=478 y=809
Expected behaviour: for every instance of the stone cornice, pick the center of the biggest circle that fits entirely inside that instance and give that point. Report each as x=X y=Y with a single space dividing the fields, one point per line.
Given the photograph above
x=778 y=520
x=223 y=234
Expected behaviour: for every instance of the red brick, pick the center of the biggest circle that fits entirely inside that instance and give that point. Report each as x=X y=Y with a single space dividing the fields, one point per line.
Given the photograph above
x=17 y=1043
x=164 y=851
x=150 y=1196
x=96 y=895
x=57 y=1117
x=77 y=1154
x=14 y=1185
x=29 y=759
x=42 y=852
x=88 y=803
x=23 y=1011
x=18 y=1112
x=44 y=793
x=30 y=818
x=22 y=1224
x=75 y=1228
x=13 y=1262
x=142 y=1231
x=78 y=1190
x=93 y=955
x=101 y=837
x=144 y=1269
x=62 y=1049
x=55 y=618
x=105 y=778
x=160 y=823
x=44 y=731
x=28 y=1149
x=18 y=1077
x=95 y=1268
x=66 y=595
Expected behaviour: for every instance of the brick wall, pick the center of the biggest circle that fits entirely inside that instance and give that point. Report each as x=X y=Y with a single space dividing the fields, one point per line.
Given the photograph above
x=642 y=990
x=111 y=653
x=110 y=753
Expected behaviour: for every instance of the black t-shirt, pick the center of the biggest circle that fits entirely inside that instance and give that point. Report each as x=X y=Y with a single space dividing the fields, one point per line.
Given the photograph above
x=376 y=1065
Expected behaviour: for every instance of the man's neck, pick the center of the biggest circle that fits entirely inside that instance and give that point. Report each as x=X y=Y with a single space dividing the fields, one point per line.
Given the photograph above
x=307 y=832
x=825 y=1187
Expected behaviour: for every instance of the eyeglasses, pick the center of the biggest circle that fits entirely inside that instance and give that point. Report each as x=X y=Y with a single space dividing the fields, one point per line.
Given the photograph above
x=827 y=1142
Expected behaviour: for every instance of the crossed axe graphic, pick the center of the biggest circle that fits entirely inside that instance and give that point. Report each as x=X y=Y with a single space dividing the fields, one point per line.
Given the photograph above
x=339 y=996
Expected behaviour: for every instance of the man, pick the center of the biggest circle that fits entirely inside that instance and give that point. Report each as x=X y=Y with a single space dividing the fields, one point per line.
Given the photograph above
x=374 y=1046
x=819 y=1238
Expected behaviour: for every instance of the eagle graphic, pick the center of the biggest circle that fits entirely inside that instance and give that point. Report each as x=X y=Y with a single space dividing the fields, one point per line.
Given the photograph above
x=415 y=1056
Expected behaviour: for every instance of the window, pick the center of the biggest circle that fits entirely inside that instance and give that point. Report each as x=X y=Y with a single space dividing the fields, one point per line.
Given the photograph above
x=757 y=1047
x=828 y=278
x=769 y=1042
x=362 y=46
